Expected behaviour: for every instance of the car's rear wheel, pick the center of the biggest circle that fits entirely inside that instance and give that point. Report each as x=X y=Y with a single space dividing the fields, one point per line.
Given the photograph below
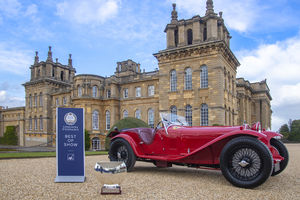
x=282 y=150
x=120 y=150
x=246 y=162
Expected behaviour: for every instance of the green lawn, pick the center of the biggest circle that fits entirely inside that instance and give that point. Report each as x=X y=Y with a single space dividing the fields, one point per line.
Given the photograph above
x=42 y=154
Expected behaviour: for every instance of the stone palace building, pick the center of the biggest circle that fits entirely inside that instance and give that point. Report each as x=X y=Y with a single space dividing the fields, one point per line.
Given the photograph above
x=196 y=79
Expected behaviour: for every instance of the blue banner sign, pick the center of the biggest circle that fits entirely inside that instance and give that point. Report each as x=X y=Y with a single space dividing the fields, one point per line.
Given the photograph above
x=70 y=145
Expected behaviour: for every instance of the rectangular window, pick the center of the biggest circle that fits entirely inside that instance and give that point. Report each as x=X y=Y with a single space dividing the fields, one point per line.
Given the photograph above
x=64 y=100
x=35 y=100
x=151 y=90
x=35 y=124
x=41 y=99
x=57 y=102
x=30 y=124
x=125 y=93
x=30 y=101
x=138 y=92
x=41 y=123
x=108 y=93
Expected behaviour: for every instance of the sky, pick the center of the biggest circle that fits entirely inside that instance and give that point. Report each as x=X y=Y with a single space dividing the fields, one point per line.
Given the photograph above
x=100 y=33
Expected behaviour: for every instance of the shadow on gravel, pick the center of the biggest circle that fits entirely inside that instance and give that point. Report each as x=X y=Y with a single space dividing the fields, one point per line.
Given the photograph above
x=177 y=171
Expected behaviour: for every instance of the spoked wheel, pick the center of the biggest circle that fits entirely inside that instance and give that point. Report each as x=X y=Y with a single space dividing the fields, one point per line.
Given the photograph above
x=246 y=162
x=120 y=150
x=282 y=150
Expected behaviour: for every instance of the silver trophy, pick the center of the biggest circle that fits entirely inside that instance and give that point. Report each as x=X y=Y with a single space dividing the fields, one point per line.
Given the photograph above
x=110 y=175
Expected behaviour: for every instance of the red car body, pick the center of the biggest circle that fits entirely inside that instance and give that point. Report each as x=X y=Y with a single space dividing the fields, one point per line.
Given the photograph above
x=199 y=146
x=191 y=145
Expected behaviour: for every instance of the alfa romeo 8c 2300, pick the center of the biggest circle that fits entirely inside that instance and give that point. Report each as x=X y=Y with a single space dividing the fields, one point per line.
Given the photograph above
x=245 y=154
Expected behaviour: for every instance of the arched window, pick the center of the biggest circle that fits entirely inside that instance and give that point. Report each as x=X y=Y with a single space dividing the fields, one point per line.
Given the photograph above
x=189 y=115
x=138 y=114
x=107 y=117
x=96 y=144
x=30 y=123
x=41 y=123
x=190 y=36
x=62 y=75
x=203 y=77
x=173 y=80
x=173 y=113
x=188 y=79
x=125 y=113
x=79 y=91
x=151 y=117
x=95 y=120
x=204 y=115
x=95 y=91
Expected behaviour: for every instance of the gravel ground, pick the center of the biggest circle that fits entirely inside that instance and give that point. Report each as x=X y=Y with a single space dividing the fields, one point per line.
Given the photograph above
x=34 y=179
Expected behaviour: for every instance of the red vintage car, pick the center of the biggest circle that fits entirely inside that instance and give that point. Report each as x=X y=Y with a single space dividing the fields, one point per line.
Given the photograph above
x=246 y=155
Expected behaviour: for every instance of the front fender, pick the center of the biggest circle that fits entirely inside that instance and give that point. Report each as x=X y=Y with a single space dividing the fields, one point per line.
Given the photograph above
x=271 y=135
x=136 y=149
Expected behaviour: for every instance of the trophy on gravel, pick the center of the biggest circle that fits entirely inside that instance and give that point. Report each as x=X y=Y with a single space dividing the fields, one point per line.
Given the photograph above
x=110 y=175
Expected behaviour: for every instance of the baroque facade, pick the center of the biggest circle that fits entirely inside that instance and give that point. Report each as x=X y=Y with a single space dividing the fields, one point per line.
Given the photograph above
x=196 y=79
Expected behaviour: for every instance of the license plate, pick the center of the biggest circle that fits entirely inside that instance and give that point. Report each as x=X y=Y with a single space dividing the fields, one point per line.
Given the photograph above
x=277 y=167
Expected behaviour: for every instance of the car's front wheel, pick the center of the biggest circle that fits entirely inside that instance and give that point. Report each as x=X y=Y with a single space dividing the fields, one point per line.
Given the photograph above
x=246 y=162
x=120 y=150
x=282 y=150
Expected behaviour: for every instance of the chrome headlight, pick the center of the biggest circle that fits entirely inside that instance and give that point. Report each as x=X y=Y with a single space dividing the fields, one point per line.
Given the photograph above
x=277 y=137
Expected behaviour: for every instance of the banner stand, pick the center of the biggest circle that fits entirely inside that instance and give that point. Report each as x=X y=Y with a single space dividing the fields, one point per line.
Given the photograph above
x=70 y=158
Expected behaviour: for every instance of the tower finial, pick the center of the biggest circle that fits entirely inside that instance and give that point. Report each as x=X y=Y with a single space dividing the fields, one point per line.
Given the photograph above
x=70 y=60
x=209 y=7
x=174 y=14
x=36 y=58
x=49 y=58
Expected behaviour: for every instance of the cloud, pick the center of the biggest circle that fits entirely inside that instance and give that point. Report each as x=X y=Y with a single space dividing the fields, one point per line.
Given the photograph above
x=7 y=100
x=280 y=64
x=245 y=15
x=31 y=10
x=88 y=12
x=2 y=95
x=14 y=59
x=10 y=8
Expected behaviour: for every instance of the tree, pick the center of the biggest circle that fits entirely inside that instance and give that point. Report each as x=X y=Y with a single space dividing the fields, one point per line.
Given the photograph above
x=87 y=139
x=284 y=130
x=10 y=136
x=295 y=131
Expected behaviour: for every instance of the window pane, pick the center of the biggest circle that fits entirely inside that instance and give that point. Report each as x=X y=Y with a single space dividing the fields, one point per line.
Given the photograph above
x=188 y=114
x=125 y=93
x=95 y=89
x=95 y=120
x=173 y=113
x=203 y=77
x=41 y=123
x=79 y=91
x=125 y=113
x=204 y=115
x=138 y=114
x=151 y=90
x=173 y=81
x=138 y=92
x=188 y=79
x=107 y=117
x=151 y=118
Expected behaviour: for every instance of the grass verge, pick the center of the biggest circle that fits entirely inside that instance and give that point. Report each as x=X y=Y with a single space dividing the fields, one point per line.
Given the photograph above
x=42 y=154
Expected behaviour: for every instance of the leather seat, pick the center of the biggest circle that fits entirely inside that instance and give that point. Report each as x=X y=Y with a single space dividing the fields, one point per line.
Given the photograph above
x=145 y=134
